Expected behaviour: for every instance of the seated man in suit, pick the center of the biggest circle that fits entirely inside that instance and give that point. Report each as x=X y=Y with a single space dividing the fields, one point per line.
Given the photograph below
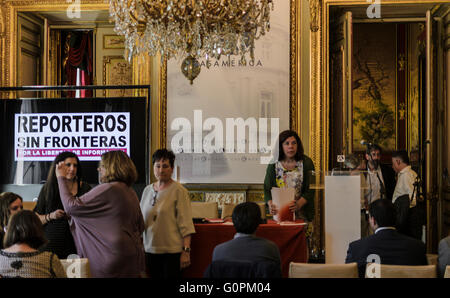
x=390 y=246
x=444 y=255
x=246 y=247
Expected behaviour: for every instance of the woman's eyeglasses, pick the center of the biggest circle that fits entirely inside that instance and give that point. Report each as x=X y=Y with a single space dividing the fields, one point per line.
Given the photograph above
x=155 y=194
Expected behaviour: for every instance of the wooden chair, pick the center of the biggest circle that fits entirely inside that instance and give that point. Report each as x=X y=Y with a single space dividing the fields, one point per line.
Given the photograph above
x=405 y=271
x=303 y=270
x=262 y=206
x=205 y=210
x=432 y=259
x=227 y=210
x=242 y=269
x=76 y=268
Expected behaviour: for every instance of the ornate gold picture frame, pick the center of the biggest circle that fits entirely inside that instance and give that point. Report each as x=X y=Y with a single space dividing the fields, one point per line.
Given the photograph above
x=294 y=81
x=264 y=89
x=117 y=71
x=113 y=42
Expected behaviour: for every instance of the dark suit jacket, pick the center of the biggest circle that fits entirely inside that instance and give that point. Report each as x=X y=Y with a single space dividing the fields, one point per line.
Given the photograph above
x=243 y=269
x=247 y=248
x=392 y=247
x=252 y=257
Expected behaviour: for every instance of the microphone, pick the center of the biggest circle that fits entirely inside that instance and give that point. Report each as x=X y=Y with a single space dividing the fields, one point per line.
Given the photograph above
x=363 y=142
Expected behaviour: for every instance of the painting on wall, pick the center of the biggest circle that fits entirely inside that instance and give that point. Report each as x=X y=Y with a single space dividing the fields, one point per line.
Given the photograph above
x=113 y=42
x=117 y=71
x=374 y=86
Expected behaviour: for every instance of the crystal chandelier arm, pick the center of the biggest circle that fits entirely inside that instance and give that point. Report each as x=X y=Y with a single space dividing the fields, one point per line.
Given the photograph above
x=182 y=28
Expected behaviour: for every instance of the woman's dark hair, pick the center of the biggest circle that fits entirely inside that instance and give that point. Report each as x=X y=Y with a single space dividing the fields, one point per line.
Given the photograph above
x=6 y=198
x=50 y=189
x=25 y=227
x=283 y=137
x=162 y=154
x=246 y=217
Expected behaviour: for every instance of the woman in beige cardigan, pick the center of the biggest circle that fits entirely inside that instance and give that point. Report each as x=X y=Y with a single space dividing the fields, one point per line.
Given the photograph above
x=167 y=213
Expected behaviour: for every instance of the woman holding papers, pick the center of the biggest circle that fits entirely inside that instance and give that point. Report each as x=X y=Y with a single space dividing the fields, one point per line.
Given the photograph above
x=293 y=170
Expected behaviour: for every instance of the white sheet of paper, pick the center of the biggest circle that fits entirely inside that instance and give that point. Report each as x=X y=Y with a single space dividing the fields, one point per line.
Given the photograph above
x=281 y=197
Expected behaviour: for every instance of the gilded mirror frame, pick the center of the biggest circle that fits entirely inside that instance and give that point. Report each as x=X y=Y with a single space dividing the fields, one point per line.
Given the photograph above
x=8 y=27
x=320 y=87
x=294 y=83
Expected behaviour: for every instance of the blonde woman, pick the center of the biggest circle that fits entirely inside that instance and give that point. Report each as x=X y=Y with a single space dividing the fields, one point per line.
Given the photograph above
x=106 y=222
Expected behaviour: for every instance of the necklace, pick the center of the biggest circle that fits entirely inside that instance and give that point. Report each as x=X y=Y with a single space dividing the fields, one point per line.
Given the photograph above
x=289 y=164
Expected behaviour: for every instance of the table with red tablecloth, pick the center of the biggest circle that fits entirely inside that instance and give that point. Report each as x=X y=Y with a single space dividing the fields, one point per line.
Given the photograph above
x=290 y=239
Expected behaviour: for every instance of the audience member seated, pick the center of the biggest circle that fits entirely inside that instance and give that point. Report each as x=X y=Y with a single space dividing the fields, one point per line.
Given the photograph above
x=106 y=222
x=444 y=255
x=242 y=269
x=22 y=256
x=246 y=247
x=390 y=246
x=10 y=204
x=50 y=208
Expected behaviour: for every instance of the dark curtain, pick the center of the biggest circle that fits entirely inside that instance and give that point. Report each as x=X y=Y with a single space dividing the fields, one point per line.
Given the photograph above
x=78 y=49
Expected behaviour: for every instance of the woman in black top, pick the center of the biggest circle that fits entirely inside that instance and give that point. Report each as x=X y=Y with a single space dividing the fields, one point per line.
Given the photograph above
x=49 y=207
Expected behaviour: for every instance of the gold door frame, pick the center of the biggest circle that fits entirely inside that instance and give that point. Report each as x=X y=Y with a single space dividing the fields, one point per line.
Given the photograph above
x=294 y=84
x=8 y=27
x=320 y=86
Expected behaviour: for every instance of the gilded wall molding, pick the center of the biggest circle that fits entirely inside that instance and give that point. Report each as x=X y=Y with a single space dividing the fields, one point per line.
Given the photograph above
x=163 y=105
x=225 y=198
x=294 y=96
x=318 y=123
x=2 y=43
x=314 y=7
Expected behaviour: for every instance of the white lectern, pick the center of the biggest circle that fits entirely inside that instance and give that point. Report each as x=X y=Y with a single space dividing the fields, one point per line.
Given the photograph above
x=342 y=215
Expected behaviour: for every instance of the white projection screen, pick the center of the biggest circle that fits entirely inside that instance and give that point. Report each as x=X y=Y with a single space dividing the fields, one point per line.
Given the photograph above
x=257 y=93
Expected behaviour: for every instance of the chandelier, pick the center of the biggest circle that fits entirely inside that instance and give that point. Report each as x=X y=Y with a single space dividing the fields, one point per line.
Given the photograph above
x=191 y=29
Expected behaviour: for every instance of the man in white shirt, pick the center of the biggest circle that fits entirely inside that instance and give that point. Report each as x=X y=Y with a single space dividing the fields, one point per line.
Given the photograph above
x=406 y=177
